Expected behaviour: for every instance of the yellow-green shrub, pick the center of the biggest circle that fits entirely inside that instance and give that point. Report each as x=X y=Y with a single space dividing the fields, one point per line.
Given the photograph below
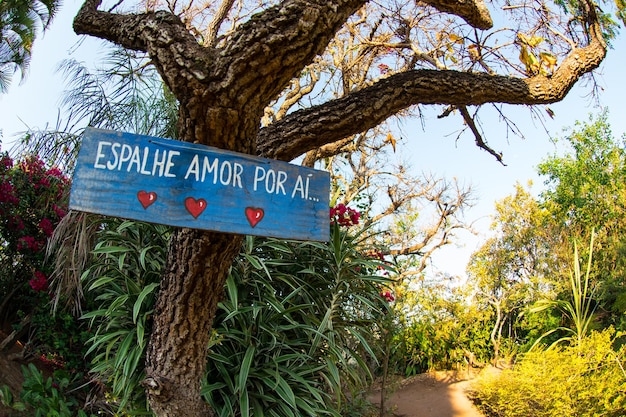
x=586 y=380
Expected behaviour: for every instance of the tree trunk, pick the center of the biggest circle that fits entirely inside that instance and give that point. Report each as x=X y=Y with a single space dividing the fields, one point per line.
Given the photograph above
x=192 y=284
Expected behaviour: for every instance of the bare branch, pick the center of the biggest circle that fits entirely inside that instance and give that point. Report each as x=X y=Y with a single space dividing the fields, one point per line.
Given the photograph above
x=216 y=22
x=477 y=136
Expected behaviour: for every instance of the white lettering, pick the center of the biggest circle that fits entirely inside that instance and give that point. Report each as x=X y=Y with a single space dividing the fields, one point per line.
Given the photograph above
x=193 y=168
x=99 y=155
x=258 y=171
x=111 y=166
x=270 y=181
x=158 y=163
x=298 y=187
x=134 y=159
x=170 y=164
x=237 y=175
x=280 y=182
x=127 y=152
x=146 y=152
x=208 y=168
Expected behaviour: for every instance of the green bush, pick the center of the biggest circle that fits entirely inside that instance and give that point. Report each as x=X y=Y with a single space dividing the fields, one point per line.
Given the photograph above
x=291 y=334
x=582 y=380
x=54 y=396
x=122 y=283
x=295 y=328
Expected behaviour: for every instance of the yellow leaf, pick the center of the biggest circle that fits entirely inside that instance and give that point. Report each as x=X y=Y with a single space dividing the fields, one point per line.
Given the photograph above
x=456 y=39
x=548 y=60
x=523 y=38
x=530 y=60
x=534 y=41
x=531 y=41
x=391 y=140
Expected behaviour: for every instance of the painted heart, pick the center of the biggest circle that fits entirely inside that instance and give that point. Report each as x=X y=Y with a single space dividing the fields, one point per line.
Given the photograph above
x=195 y=207
x=146 y=198
x=254 y=215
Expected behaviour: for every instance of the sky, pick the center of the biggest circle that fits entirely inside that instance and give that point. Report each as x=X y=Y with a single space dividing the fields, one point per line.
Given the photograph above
x=431 y=147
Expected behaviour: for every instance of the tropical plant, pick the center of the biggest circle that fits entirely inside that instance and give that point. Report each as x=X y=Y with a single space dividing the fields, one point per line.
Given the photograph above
x=122 y=283
x=579 y=309
x=295 y=329
x=19 y=21
x=586 y=191
x=124 y=93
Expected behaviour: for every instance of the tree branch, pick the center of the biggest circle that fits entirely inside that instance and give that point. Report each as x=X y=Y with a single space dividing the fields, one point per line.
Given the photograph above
x=480 y=142
x=473 y=12
x=310 y=128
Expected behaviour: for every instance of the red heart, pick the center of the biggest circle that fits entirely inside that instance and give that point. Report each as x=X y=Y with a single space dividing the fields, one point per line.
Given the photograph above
x=146 y=198
x=254 y=215
x=195 y=207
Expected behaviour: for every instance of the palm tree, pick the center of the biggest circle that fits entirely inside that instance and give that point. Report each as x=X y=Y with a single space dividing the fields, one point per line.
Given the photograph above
x=19 y=22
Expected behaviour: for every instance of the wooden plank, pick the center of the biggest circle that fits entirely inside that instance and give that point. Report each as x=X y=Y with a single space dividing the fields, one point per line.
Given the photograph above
x=188 y=185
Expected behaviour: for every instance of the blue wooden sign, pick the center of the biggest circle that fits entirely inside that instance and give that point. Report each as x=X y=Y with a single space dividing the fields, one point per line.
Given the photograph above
x=187 y=185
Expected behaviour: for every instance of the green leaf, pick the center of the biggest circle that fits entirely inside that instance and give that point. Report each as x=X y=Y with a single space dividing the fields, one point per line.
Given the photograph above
x=148 y=290
x=244 y=370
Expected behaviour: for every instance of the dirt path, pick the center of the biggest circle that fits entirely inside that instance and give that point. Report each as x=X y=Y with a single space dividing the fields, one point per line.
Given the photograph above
x=438 y=394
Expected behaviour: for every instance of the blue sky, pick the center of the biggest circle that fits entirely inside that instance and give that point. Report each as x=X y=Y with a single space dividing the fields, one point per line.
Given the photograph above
x=35 y=103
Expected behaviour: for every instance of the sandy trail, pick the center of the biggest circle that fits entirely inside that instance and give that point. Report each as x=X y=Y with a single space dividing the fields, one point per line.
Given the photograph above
x=438 y=394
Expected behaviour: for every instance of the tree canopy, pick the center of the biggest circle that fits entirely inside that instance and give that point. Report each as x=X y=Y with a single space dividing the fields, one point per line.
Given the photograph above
x=19 y=21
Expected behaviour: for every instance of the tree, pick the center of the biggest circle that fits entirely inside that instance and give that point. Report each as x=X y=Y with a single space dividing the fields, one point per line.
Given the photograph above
x=19 y=20
x=585 y=192
x=511 y=269
x=224 y=79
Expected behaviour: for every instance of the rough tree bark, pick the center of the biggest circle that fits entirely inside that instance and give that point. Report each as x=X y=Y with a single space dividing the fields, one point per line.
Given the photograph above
x=222 y=94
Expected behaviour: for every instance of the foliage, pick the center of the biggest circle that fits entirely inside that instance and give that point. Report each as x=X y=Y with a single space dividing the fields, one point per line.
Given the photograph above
x=33 y=200
x=292 y=333
x=124 y=93
x=19 y=20
x=296 y=328
x=584 y=381
x=528 y=258
x=447 y=333
x=123 y=281
x=512 y=268
x=579 y=309
x=586 y=190
x=53 y=396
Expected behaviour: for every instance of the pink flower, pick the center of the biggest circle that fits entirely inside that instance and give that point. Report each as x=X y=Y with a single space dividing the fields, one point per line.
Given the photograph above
x=43 y=182
x=29 y=242
x=344 y=216
x=39 y=283
x=55 y=172
x=6 y=162
x=59 y=211
x=46 y=226
x=388 y=296
x=7 y=194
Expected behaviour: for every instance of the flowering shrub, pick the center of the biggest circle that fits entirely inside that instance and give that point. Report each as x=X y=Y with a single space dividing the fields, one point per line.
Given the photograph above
x=344 y=216
x=33 y=199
